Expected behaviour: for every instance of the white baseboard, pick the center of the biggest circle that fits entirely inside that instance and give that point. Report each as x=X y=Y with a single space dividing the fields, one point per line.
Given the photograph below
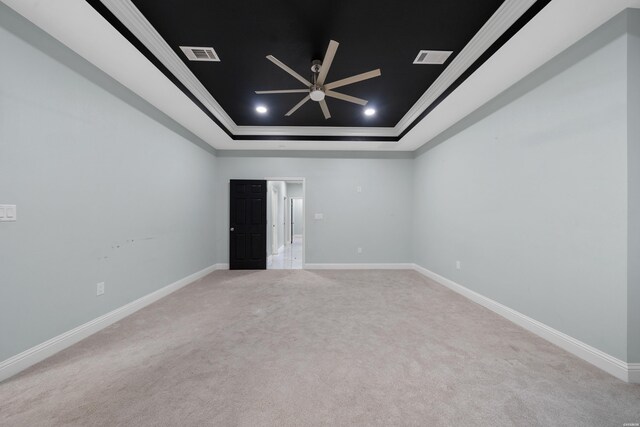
x=30 y=357
x=371 y=266
x=629 y=372
x=634 y=373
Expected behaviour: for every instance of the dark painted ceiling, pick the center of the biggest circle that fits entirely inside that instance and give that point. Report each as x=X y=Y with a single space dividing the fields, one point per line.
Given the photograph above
x=372 y=34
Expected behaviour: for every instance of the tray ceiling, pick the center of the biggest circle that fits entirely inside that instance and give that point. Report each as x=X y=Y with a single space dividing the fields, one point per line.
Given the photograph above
x=372 y=35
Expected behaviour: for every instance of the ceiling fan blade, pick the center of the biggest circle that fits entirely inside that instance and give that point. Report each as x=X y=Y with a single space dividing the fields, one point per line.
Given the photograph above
x=273 y=59
x=326 y=62
x=298 y=105
x=325 y=109
x=344 y=97
x=266 y=92
x=353 y=79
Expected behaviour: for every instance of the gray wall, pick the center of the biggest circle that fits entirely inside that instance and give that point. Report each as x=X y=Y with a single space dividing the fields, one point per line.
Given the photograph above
x=530 y=194
x=378 y=219
x=633 y=305
x=107 y=189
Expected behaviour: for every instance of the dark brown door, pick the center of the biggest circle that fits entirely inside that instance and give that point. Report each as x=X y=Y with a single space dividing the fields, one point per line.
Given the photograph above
x=248 y=225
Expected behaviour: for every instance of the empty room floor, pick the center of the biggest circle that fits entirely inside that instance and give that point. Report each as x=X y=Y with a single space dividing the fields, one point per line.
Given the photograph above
x=300 y=347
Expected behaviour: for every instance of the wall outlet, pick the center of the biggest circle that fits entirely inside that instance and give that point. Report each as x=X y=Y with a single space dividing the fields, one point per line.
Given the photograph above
x=100 y=288
x=318 y=216
x=458 y=265
x=359 y=250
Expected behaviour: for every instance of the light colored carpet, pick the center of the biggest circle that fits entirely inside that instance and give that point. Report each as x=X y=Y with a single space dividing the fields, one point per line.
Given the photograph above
x=295 y=348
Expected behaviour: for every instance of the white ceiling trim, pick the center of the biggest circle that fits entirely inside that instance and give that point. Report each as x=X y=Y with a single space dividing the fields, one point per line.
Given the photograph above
x=135 y=21
x=506 y=15
x=555 y=28
x=81 y=28
x=559 y=25
x=316 y=131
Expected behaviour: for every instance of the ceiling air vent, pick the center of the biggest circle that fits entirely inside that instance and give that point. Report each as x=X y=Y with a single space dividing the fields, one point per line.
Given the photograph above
x=432 y=56
x=200 y=53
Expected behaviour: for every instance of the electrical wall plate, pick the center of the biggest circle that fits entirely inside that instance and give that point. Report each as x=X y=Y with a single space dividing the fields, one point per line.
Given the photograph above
x=8 y=213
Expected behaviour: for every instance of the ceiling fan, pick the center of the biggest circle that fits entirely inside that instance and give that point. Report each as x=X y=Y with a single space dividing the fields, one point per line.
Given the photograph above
x=316 y=89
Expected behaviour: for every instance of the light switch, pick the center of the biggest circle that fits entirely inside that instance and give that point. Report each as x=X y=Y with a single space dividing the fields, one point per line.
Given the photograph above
x=8 y=213
x=359 y=189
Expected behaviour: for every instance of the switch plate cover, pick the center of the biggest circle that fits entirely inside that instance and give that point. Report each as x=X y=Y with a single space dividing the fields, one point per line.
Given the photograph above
x=8 y=213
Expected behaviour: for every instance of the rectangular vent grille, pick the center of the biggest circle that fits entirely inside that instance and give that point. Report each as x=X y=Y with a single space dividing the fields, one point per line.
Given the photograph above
x=432 y=57
x=200 y=53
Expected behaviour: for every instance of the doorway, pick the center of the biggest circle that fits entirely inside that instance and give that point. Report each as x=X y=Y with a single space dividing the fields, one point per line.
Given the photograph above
x=285 y=223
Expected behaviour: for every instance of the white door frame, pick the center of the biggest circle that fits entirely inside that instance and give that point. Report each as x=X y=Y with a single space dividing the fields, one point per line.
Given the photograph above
x=302 y=180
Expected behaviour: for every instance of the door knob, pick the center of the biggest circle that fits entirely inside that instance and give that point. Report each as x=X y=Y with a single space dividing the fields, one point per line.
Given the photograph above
x=231 y=228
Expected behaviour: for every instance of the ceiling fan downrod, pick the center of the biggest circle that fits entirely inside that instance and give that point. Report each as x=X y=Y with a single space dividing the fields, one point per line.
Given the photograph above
x=316 y=91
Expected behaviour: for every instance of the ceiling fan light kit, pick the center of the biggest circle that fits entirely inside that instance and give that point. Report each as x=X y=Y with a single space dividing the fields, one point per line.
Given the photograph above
x=316 y=93
x=316 y=89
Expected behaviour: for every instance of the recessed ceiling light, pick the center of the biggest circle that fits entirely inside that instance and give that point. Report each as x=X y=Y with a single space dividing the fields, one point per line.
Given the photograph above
x=261 y=109
x=369 y=112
